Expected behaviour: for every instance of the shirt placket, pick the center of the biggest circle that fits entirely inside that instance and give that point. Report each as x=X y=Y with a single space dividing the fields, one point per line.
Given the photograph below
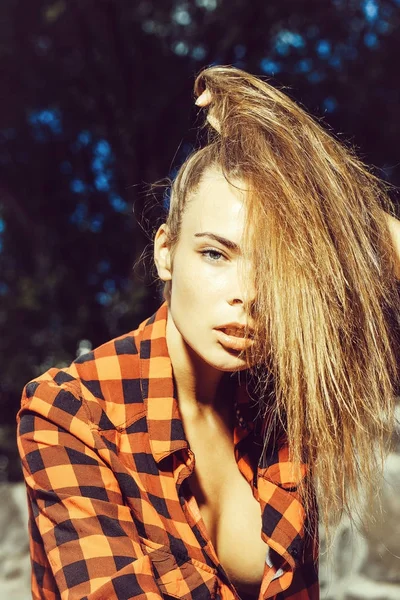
x=243 y=428
x=195 y=520
x=270 y=583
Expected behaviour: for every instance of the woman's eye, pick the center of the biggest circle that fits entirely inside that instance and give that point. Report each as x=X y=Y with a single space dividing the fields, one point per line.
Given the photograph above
x=212 y=255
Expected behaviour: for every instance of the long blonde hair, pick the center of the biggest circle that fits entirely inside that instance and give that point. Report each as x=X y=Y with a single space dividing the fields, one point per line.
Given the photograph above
x=327 y=306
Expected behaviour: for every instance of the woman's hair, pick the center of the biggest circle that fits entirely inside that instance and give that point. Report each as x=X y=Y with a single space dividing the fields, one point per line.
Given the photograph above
x=326 y=313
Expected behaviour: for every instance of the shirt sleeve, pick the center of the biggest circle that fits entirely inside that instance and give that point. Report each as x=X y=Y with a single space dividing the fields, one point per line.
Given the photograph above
x=83 y=540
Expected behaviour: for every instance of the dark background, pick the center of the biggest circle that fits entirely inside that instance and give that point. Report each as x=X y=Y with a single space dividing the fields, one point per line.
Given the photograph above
x=96 y=103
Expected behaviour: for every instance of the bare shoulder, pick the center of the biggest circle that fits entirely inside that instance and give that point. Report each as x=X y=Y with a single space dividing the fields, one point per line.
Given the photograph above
x=394 y=229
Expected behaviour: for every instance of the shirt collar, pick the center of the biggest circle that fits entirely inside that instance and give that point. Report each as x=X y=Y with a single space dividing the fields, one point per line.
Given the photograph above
x=164 y=421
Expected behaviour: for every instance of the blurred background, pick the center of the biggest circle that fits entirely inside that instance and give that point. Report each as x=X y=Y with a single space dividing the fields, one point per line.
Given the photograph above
x=96 y=104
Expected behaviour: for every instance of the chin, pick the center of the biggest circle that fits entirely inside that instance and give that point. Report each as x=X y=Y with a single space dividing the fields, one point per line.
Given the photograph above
x=231 y=362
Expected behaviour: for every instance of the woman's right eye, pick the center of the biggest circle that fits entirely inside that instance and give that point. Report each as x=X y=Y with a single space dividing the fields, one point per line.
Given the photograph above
x=212 y=255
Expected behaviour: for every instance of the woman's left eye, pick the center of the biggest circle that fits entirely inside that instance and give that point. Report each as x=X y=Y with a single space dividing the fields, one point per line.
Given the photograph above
x=212 y=255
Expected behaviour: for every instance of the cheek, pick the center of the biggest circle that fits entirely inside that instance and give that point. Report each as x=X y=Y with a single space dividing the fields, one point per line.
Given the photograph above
x=185 y=280
x=200 y=281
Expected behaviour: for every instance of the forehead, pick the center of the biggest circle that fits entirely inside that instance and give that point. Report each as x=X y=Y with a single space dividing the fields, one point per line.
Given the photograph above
x=217 y=206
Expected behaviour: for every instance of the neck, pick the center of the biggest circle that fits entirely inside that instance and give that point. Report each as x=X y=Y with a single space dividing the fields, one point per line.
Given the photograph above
x=201 y=389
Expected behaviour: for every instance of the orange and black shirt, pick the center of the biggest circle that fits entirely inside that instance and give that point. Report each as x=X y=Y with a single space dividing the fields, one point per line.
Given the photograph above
x=105 y=459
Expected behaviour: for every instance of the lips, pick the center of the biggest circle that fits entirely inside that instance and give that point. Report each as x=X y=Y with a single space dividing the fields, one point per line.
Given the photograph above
x=235 y=331
x=232 y=336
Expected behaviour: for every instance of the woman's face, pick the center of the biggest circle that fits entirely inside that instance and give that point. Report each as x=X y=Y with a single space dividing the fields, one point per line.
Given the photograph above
x=208 y=300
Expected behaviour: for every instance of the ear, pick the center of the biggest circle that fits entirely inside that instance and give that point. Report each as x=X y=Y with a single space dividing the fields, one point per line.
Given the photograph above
x=162 y=254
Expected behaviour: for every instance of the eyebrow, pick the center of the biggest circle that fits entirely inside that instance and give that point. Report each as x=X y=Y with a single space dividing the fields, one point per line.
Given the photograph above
x=223 y=241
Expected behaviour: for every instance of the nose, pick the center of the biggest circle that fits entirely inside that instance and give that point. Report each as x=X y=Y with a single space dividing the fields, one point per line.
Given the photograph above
x=248 y=308
x=248 y=304
x=235 y=301
x=243 y=293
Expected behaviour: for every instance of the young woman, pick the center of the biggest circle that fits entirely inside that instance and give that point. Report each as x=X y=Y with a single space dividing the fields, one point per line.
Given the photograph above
x=186 y=459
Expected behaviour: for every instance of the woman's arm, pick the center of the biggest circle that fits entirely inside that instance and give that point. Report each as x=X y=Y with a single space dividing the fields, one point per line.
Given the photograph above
x=83 y=540
x=394 y=229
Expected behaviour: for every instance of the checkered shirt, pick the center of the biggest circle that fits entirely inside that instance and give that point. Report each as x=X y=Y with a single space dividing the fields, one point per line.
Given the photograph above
x=105 y=459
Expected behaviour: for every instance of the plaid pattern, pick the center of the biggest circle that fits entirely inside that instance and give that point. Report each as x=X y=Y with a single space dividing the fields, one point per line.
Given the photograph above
x=105 y=461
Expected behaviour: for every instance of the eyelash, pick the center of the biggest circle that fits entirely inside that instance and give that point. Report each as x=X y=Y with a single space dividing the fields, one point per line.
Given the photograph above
x=208 y=251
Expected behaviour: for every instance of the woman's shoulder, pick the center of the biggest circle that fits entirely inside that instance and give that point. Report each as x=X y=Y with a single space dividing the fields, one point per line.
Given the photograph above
x=101 y=387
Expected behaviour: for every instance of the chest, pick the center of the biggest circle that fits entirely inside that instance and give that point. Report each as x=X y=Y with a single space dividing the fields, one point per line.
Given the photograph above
x=231 y=514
